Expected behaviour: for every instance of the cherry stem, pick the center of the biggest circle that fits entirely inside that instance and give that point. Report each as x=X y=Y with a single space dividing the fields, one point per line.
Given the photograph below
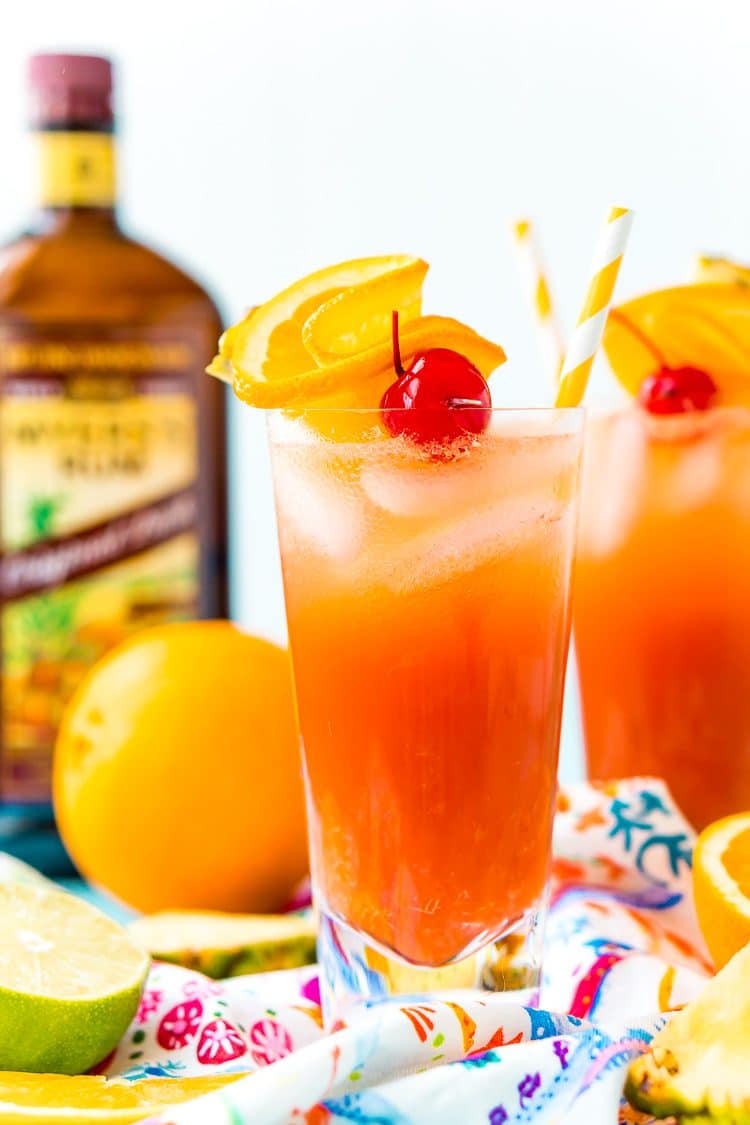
x=397 y=365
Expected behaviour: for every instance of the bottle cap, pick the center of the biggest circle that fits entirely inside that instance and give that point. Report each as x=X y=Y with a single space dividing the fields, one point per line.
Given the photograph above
x=70 y=91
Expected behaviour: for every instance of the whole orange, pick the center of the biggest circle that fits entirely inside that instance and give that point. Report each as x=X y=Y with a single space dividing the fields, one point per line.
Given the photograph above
x=177 y=773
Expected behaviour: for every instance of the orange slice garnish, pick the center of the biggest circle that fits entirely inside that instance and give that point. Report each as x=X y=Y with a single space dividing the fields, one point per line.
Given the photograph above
x=705 y=326
x=326 y=339
x=363 y=377
x=268 y=340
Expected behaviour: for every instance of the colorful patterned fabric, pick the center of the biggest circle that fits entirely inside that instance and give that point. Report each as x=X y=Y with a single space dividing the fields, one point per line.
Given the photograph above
x=623 y=948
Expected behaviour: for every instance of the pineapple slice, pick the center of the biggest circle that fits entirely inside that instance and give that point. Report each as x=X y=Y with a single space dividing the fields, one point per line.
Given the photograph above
x=227 y=945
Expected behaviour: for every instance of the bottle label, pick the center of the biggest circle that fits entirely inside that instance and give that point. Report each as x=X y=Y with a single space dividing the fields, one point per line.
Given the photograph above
x=75 y=169
x=98 y=522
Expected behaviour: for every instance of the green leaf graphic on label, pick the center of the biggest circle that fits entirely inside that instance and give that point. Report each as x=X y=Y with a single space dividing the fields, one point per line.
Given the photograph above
x=49 y=614
x=41 y=513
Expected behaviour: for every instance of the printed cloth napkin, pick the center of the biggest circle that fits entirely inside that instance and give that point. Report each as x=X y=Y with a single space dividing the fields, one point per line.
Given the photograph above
x=622 y=949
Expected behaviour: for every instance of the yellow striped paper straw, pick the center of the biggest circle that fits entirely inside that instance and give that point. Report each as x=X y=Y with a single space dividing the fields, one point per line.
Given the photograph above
x=587 y=334
x=540 y=297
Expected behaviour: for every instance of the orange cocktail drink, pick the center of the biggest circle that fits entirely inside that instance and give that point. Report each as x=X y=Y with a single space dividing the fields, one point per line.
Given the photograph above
x=662 y=604
x=426 y=544
x=427 y=601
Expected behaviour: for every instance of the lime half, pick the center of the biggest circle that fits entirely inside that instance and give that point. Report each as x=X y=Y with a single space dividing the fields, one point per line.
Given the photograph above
x=70 y=981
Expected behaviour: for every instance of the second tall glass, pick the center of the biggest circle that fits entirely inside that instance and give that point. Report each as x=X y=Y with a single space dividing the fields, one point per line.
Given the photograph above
x=662 y=605
x=427 y=600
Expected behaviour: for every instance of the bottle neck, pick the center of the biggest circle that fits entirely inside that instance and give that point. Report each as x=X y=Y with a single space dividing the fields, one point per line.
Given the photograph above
x=75 y=178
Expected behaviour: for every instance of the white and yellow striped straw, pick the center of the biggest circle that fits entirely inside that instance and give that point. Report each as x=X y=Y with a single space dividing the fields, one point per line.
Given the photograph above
x=540 y=297
x=587 y=335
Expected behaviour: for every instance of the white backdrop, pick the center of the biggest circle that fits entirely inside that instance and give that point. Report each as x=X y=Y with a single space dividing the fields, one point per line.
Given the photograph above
x=263 y=138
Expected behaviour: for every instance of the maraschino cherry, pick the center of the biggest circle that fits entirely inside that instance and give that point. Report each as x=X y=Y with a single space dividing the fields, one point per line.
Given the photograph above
x=439 y=397
x=677 y=390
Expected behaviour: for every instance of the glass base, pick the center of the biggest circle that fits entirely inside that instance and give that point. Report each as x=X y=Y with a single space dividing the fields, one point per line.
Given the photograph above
x=355 y=973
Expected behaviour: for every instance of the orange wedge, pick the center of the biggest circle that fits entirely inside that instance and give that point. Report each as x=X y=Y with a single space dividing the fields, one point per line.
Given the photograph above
x=721 y=884
x=326 y=339
x=54 y=1099
x=703 y=325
